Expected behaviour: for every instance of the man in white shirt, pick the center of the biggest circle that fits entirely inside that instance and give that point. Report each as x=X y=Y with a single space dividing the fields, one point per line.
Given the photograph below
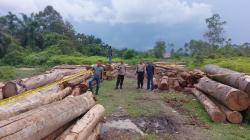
x=121 y=73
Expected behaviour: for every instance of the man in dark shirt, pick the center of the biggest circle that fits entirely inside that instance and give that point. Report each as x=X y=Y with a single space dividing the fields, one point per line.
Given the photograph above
x=150 y=75
x=110 y=54
x=98 y=70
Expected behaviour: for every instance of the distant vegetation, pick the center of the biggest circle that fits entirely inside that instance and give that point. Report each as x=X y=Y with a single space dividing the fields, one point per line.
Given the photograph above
x=44 y=39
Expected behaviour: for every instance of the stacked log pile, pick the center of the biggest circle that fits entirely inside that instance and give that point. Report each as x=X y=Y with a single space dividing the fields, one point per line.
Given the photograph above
x=175 y=77
x=109 y=71
x=52 y=111
x=226 y=91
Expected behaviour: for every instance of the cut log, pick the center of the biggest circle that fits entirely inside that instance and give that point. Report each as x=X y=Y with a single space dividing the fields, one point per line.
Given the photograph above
x=183 y=83
x=95 y=134
x=212 y=109
x=15 y=87
x=229 y=77
x=232 y=116
x=77 y=81
x=30 y=102
x=76 y=91
x=39 y=123
x=84 y=86
x=164 y=83
x=12 y=88
x=83 y=128
x=232 y=98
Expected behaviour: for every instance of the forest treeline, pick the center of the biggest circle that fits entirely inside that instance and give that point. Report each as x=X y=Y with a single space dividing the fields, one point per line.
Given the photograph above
x=45 y=38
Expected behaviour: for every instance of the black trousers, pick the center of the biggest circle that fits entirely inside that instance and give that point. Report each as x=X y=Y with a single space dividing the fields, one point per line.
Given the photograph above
x=140 y=79
x=119 y=81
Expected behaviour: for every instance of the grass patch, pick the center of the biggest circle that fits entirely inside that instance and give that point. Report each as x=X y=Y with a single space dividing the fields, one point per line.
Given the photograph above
x=130 y=99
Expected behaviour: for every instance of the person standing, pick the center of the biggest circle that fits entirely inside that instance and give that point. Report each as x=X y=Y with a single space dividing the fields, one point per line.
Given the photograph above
x=98 y=70
x=150 y=75
x=110 y=53
x=140 y=70
x=121 y=73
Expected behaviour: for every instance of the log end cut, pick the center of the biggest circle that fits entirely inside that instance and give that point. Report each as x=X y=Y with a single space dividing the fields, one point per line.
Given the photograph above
x=10 y=89
x=237 y=100
x=218 y=117
x=234 y=117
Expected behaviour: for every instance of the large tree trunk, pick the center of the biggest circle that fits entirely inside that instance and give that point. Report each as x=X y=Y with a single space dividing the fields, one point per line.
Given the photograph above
x=39 y=123
x=31 y=101
x=232 y=98
x=83 y=128
x=15 y=87
x=212 y=109
x=164 y=83
x=229 y=77
x=95 y=134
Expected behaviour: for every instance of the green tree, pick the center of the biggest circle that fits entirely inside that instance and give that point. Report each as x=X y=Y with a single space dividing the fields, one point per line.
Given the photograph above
x=159 y=49
x=215 y=33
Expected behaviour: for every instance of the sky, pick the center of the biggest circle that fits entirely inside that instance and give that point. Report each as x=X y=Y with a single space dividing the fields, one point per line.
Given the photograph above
x=139 y=23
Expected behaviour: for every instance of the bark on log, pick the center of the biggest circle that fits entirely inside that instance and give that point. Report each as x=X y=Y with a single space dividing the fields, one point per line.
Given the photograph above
x=183 y=83
x=65 y=133
x=95 y=134
x=15 y=87
x=229 y=77
x=164 y=83
x=30 y=102
x=212 y=109
x=83 y=128
x=232 y=98
x=40 y=122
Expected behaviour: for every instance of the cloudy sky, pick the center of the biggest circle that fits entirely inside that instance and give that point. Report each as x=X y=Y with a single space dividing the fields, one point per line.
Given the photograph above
x=139 y=23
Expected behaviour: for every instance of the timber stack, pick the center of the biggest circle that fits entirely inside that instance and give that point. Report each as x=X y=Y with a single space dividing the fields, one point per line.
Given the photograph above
x=54 y=110
x=224 y=91
x=175 y=77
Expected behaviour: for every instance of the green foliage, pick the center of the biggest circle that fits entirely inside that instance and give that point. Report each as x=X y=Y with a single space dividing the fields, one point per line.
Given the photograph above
x=159 y=49
x=129 y=53
x=215 y=33
x=7 y=72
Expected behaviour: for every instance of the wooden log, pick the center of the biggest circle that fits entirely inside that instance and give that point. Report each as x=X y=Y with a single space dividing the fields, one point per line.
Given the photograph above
x=232 y=78
x=40 y=122
x=84 y=86
x=76 y=91
x=76 y=81
x=212 y=109
x=232 y=116
x=177 y=86
x=164 y=83
x=232 y=98
x=83 y=128
x=58 y=132
x=95 y=134
x=30 y=102
x=65 y=133
x=183 y=83
x=15 y=87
